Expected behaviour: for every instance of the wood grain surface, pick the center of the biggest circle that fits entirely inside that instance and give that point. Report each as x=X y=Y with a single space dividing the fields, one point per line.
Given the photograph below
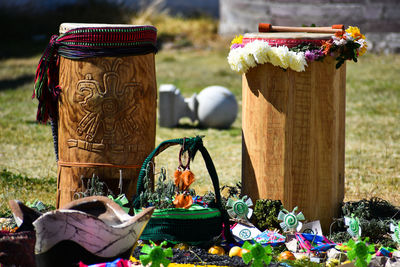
x=107 y=114
x=293 y=137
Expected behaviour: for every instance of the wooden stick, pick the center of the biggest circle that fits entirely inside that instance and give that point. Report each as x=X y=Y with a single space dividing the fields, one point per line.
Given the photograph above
x=266 y=27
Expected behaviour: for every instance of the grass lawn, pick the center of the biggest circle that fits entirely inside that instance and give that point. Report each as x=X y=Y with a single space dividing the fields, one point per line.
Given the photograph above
x=372 y=126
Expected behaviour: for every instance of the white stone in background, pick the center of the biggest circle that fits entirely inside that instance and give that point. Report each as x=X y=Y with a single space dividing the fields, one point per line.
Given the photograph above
x=215 y=107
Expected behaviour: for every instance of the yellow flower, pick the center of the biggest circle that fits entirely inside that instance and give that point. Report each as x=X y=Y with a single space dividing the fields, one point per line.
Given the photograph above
x=363 y=48
x=237 y=40
x=355 y=33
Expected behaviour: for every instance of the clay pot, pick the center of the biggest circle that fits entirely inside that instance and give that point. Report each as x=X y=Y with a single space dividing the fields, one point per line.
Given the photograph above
x=92 y=230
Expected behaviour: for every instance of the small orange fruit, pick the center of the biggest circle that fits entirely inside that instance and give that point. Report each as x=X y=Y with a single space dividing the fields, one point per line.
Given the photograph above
x=216 y=250
x=243 y=251
x=235 y=251
x=286 y=255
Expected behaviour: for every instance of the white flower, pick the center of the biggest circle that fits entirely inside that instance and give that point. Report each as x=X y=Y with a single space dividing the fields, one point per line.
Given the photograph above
x=338 y=41
x=348 y=37
x=259 y=50
x=279 y=56
x=274 y=56
x=362 y=42
x=248 y=57
x=297 y=61
x=283 y=52
x=235 y=60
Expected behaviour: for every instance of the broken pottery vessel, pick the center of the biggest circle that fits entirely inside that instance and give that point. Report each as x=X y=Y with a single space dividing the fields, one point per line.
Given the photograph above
x=92 y=230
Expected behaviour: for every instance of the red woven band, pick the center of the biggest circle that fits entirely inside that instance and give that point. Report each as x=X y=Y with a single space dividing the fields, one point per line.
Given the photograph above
x=287 y=42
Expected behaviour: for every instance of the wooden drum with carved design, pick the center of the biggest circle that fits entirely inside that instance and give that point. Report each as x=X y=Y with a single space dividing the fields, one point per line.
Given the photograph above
x=107 y=120
x=294 y=133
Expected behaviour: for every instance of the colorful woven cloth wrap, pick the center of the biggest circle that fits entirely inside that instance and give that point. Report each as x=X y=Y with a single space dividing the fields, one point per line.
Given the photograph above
x=82 y=43
x=269 y=237
x=310 y=242
x=116 y=263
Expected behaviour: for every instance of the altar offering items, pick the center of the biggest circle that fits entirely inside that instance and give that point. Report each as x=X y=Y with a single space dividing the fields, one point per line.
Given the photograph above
x=92 y=230
x=294 y=146
x=195 y=224
x=97 y=85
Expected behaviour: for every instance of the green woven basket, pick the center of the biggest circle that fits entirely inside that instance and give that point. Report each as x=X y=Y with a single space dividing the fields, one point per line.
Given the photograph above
x=194 y=225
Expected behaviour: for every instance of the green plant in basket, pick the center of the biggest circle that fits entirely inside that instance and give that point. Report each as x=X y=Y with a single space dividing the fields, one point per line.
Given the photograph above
x=163 y=194
x=257 y=254
x=156 y=255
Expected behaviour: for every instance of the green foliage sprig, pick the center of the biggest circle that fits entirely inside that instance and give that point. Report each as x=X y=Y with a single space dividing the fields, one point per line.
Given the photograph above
x=266 y=214
x=163 y=194
x=346 y=52
x=303 y=47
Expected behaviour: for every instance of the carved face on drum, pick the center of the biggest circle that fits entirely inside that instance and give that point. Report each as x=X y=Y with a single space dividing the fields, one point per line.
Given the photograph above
x=109 y=106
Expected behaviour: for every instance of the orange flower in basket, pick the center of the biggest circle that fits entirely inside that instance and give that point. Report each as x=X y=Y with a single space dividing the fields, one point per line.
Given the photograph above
x=183 y=201
x=187 y=178
x=178 y=179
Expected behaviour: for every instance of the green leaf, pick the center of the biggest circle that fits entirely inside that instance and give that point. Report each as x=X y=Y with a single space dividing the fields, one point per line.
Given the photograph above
x=267 y=259
x=247 y=257
x=257 y=263
x=351 y=254
x=247 y=245
x=155 y=263
x=145 y=259
x=165 y=262
x=146 y=249
x=168 y=252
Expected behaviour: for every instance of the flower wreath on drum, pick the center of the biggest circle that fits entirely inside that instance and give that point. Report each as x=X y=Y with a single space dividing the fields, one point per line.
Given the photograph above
x=343 y=45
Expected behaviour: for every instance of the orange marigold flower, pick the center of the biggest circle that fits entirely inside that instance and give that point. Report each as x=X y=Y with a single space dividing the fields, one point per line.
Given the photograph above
x=326 y=46
x=340 y=34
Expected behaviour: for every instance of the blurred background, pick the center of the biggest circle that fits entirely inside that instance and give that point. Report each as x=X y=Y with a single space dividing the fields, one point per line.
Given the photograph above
x=193 y=40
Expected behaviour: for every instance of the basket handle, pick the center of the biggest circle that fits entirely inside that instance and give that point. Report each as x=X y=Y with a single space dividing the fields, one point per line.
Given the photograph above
x=192 y=145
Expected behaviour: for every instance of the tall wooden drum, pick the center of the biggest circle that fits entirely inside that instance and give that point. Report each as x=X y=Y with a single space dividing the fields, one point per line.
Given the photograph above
x=294 y=133
x=107 y=117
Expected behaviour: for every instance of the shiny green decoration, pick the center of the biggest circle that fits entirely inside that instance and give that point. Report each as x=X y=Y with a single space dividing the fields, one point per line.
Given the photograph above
x=360 y=252
x=257 y=254
x=396 y=232
x=156 y=255
x=240 y=208
x=354 y=226
x=290 y=220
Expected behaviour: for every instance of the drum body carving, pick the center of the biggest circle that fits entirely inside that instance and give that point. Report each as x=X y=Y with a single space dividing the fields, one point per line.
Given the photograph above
x=107 y=116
